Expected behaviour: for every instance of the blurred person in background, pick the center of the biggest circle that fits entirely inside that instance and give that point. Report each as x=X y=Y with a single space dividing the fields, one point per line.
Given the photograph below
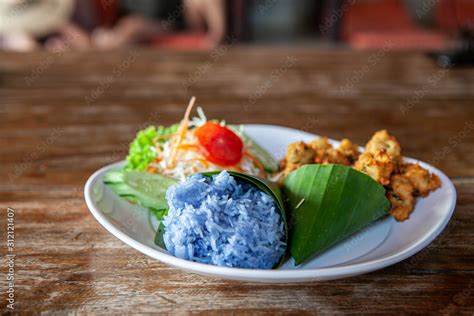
x=142 y=20
x=106 y=24
x=25 y=25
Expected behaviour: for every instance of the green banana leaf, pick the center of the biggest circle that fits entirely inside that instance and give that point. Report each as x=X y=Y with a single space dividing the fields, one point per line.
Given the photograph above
x=142 y=188
x=159 y=240
x=328 y=203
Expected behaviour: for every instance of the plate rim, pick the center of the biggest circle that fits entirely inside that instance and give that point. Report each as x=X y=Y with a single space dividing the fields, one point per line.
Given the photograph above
x=262 y=275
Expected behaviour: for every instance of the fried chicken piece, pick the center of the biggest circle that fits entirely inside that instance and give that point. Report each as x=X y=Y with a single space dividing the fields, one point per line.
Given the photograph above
x=297 y=155
x=422 y=181
x=321 y=149
x=382 y=140
x=378 y=166
x=320 y=145
x=400 y=194
x=334 y=156
x=349 y=150
x=326 y=154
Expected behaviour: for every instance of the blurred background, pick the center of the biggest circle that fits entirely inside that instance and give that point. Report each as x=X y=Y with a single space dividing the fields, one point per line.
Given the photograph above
x=427 y=25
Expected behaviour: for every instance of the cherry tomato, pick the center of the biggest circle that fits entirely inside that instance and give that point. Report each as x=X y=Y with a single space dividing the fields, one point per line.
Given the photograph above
x=219 y=144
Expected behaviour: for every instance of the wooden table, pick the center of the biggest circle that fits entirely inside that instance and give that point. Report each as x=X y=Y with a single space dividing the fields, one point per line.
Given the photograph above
x=65 y=115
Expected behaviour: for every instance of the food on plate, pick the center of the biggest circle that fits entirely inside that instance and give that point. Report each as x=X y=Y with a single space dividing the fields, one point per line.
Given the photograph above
x=224 y=221
x=221 y=199
x=410 y=182
x=319 y=151
x=422 y=181
x=219 y=144
x=299 y=154
x=401 y=196
x=345 y=154
x=378 y=165
x=381 y=160
x=382 y=141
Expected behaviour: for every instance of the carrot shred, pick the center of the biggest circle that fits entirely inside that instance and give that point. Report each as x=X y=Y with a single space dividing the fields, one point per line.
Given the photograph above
x=183 y=127
x=151 y=169
x=188 y=146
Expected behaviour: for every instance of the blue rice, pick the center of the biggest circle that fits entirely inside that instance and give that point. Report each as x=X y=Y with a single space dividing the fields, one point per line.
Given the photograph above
x=218 y=220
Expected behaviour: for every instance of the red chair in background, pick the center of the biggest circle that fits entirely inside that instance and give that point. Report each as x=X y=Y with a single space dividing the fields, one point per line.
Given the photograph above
x=373 y=24
x=107 y=11
x=452 y=15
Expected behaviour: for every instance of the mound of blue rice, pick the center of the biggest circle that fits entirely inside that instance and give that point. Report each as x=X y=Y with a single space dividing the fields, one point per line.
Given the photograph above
x=221 y=221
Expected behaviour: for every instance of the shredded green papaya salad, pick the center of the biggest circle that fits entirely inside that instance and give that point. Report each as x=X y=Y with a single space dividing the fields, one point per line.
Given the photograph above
x=197 y=145
x=160 y=156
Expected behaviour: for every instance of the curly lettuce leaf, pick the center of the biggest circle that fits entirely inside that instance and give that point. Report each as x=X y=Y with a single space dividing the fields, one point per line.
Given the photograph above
x=141 y=151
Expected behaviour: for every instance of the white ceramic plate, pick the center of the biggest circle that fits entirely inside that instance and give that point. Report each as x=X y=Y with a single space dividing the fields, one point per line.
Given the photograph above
x=383 y=243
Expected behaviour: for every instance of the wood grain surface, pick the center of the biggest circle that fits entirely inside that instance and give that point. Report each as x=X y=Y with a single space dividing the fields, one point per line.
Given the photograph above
x=65 y=115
